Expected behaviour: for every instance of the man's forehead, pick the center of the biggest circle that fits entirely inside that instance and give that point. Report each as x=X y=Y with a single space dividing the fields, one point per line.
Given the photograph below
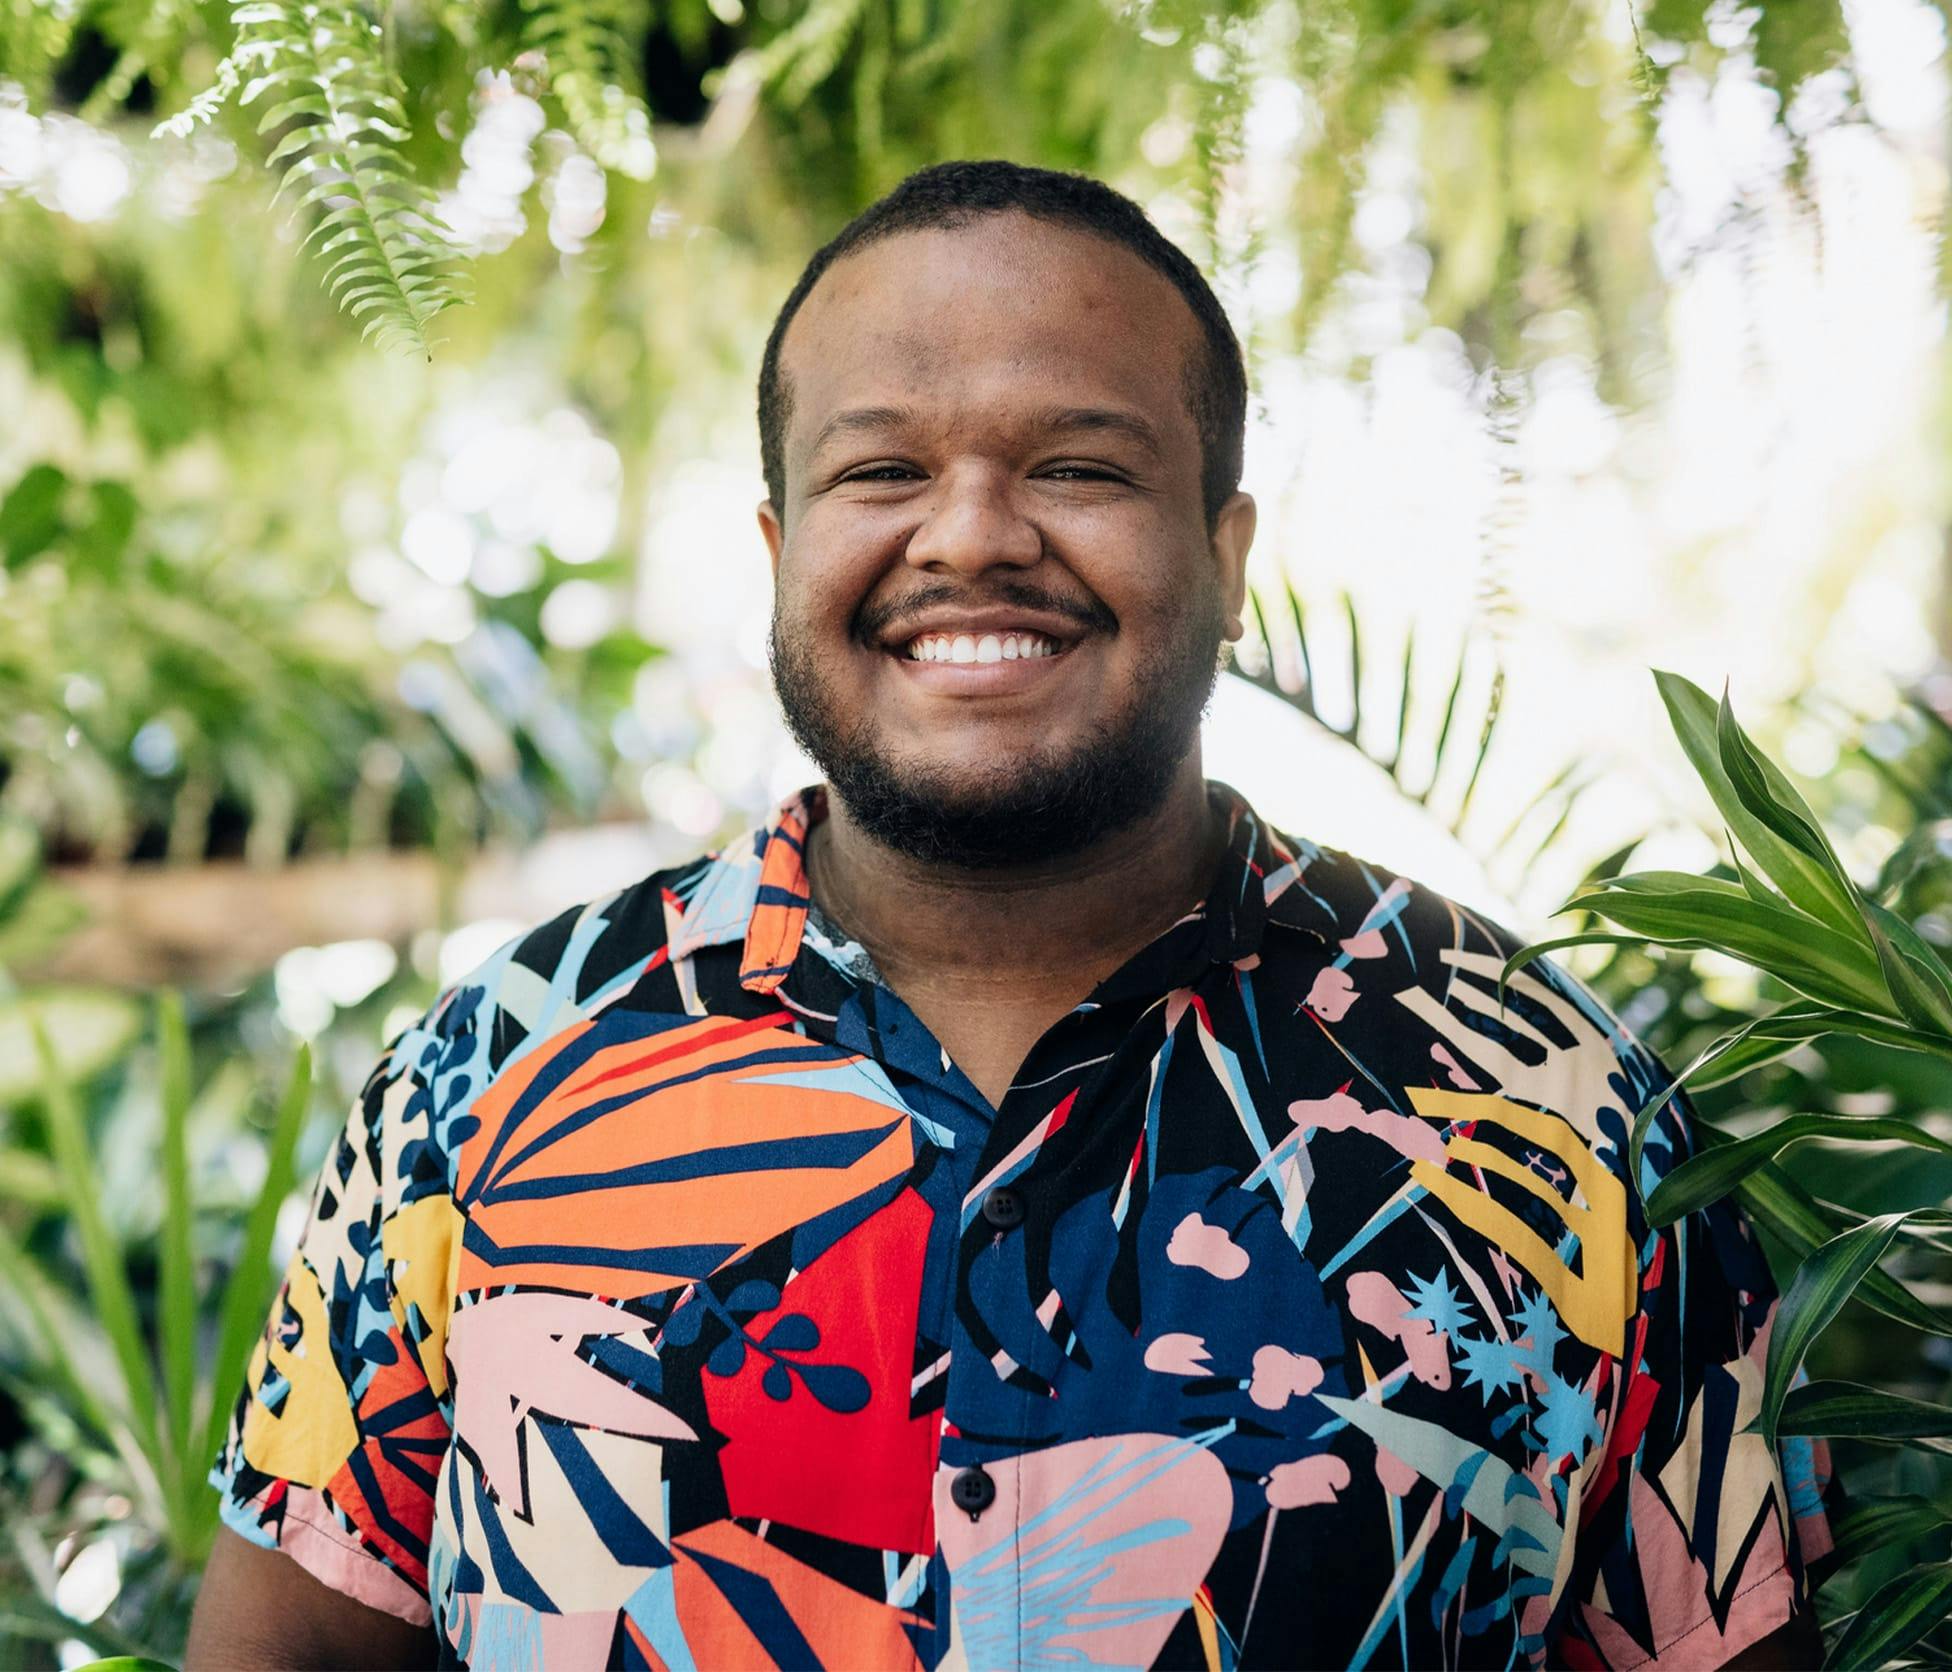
x=924 y=315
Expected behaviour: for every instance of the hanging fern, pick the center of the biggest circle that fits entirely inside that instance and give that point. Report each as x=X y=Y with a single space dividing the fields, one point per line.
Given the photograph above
x=33 y=39
x=593 y=49
x=393 y=265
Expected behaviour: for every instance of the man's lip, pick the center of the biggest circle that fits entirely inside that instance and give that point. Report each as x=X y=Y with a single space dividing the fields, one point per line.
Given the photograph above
x=1064 y=631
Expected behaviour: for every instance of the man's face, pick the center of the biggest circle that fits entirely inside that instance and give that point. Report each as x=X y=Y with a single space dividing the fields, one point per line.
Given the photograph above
x=997 y=604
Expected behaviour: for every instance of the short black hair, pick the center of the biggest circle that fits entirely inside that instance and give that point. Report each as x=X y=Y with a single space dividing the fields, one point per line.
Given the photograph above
x=951 y=195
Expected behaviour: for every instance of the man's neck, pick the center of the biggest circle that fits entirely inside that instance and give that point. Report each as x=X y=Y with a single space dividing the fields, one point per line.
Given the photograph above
x=1035 y=936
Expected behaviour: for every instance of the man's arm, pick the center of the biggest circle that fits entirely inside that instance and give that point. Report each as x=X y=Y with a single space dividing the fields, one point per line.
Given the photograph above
x=259 y=1609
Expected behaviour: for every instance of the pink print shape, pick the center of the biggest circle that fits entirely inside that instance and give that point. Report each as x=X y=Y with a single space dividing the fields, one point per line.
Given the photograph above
x=1340 y=1112
x=1310 y=1480
x=1280 y=1375
x=1454 y=1070
x=1396 y=1475
x=516 y=1353
x=1196 y=1243
x=1377 y=1302
x=1057 y=1547
x=1366 y=943
x=1332 y=994
x=1178 y=1354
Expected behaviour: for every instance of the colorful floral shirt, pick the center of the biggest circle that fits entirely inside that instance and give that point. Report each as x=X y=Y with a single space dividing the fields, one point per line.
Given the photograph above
x=673 y=1300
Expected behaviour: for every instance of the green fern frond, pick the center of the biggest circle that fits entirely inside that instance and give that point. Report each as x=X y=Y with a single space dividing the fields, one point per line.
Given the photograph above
x=34 y=37
x=594 y=51
x=805 y=55
x=392 y=264
x=205 y=105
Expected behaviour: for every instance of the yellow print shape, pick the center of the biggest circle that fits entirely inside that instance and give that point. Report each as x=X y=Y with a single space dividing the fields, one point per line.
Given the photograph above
x=1595 y=1302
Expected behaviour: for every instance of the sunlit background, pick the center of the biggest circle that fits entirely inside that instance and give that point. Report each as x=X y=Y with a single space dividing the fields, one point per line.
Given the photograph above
x=1612 y=345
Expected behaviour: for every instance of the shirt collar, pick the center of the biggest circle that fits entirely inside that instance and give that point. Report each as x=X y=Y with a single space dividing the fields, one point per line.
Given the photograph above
x=755 y=890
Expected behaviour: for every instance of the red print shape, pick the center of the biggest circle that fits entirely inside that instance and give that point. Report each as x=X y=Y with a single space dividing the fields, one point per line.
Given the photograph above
x=866 y=1475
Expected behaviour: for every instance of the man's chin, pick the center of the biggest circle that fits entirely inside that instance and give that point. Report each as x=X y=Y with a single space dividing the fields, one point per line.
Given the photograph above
x=996 y=815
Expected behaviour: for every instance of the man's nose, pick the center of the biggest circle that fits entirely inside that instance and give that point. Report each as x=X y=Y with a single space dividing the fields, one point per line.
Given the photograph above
x=974 y=523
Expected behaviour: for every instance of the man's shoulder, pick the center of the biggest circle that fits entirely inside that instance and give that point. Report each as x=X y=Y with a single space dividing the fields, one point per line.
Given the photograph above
x=1413 y=983
x=566 y=970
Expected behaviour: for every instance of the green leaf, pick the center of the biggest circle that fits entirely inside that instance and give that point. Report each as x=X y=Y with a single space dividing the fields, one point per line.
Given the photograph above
x=89 y=1029
x=176 y=1280
x=1918 y=978
x=108 y=1278
x=247 y=1294
x=1823 y=1282
x=1799 y=951
x=1779 y=1205
x=1712 y=1174
x=1807 y=883
x=1895 y=1618
x=1872 y=1523
x=1851 y=1409
x=30 y=515
x=1771 y=798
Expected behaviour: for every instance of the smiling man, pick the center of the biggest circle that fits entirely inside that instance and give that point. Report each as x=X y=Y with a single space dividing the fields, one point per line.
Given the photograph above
x=1014 y=1207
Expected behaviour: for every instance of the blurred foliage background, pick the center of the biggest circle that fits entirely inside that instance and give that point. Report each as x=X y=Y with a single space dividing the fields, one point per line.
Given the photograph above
x=377 y=572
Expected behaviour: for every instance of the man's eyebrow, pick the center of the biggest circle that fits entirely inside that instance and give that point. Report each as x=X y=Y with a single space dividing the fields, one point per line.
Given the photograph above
x=854 y=418
x=1109 y=419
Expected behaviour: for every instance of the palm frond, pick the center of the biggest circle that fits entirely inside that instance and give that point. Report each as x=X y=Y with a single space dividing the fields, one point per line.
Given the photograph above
x=1465 y=725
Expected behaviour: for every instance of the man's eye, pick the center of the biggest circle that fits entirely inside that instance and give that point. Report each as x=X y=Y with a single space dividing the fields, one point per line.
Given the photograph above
x=1085 y=472
x=874 y=472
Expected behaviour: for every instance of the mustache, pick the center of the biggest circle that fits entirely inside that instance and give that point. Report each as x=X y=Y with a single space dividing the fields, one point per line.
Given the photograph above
x=871 y=621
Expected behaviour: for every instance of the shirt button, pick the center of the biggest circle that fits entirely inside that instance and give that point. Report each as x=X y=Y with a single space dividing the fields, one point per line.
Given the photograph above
x=1003 y=1208
x=973 y=1490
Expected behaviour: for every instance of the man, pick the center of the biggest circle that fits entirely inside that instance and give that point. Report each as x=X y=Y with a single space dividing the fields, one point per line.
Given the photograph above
x=1014 y=1207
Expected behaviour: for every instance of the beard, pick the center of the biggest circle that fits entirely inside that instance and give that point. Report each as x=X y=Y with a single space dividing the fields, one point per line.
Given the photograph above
x=1029 y=808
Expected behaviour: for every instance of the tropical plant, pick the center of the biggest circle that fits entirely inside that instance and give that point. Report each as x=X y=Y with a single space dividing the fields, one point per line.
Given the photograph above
x=122 y=1361
x=841 y=97
x=1852 y=966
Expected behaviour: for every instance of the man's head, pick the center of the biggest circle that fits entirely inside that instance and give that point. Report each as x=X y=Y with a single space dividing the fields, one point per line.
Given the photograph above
x=1002 y=419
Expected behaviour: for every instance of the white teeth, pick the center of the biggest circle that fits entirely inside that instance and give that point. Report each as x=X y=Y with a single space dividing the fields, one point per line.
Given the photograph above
x=983 y=648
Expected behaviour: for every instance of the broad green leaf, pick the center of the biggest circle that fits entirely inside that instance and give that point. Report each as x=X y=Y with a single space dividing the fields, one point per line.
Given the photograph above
x=108 y=1278
x=1807 y=883
x=1895 y=1618
x=1731 y=1054
x=1872 y=1523
x=1850 y=1409
x=88 y=1028
x=1782 y=1207
x=248 y=1293
x=30 y=514
x=1799 y=951
x=176 y=1280
x=1712 y=1174
x=1917 y=976
x=1771 y=798
x=1816 y=1294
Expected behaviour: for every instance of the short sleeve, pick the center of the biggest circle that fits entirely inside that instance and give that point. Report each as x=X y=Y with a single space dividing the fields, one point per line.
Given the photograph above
x=337 y=1437
x=1692 y=1540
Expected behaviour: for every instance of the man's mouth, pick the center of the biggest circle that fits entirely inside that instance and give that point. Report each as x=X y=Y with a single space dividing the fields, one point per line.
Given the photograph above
x=982 y=647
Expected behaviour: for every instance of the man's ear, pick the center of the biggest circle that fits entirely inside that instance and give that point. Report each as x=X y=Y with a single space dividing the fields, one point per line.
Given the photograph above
x=772 y=531
x=1233 y=534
